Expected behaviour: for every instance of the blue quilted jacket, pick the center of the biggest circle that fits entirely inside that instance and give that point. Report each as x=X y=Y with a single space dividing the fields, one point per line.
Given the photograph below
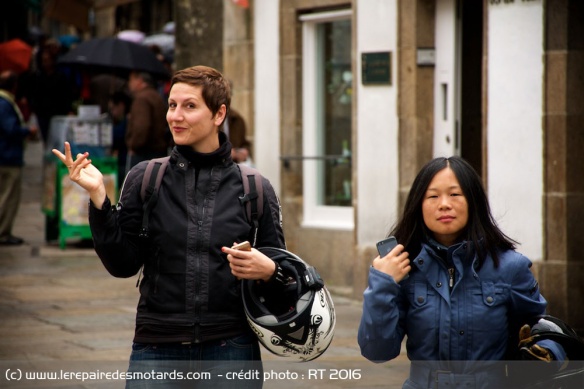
x=464 y=315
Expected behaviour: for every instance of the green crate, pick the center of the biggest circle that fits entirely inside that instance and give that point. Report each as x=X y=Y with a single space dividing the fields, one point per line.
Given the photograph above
x=73 y=201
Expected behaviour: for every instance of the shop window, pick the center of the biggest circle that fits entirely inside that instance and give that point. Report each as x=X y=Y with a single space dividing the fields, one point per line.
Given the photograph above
x=327 y=88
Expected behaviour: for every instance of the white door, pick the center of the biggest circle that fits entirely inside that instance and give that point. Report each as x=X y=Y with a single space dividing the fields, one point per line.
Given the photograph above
x=446 y=82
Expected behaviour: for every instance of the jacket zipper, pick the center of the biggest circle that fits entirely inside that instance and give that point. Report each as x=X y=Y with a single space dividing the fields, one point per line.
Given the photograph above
x=139 y=276
x=200 y=213
x=197 y=331
x=451 y=277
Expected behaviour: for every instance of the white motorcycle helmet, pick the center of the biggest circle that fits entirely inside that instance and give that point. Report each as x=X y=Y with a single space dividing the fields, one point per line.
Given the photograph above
x=295 y=318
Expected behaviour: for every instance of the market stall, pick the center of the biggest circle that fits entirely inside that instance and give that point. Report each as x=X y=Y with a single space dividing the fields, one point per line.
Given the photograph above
x=64 y=203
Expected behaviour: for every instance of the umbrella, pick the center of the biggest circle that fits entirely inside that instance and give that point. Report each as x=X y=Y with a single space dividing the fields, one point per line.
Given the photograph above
x=114 y=54
x=15 y=55
x=131 y=35
x=169 y=28
x=164 y=41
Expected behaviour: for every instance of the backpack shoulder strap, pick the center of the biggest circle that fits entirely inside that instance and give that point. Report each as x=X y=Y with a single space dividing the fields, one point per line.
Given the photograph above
x=149 y=189
x=158 y=167
x=253 y=196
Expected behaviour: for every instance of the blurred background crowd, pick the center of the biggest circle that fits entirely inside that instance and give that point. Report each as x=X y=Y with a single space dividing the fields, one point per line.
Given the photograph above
x=96 y=74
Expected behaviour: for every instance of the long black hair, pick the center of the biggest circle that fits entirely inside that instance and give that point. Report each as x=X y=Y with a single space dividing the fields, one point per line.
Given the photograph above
x=481 y=228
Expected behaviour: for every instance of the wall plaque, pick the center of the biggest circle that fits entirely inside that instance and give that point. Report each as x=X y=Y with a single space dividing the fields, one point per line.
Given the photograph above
x=376 y=68
x=426 y=56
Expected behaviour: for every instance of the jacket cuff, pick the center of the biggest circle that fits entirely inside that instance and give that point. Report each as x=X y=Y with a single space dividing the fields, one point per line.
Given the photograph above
x=278 y=276
x=558 y=352
x=96 y=213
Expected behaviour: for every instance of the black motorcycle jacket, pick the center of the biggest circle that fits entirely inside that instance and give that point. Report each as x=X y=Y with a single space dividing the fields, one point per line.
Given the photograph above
x=187 y=291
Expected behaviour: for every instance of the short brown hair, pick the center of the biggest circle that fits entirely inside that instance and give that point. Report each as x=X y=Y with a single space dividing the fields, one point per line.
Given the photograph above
x=215 y=88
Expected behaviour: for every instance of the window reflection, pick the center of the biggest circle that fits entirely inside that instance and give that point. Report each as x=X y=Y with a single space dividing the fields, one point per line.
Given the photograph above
x=335 y=91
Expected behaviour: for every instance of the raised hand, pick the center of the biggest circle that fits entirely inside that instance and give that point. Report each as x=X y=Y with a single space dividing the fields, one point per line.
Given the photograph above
x=396 y=263
x=82 y=172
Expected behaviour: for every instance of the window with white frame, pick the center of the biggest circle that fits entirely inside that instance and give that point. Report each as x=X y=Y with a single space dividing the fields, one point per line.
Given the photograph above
x=327 y=88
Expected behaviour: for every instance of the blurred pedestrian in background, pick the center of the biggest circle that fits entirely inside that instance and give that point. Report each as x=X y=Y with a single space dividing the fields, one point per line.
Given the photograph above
x=166 y=60
x=13 y=132
x=50 y=91
x=147 y=134
x=235 y=129
x=118 y=108
x=102 y=87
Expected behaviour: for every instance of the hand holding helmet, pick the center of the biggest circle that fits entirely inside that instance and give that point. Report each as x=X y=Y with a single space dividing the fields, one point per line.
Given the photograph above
x=549 y=327
x=529 y=349
x=296 y=319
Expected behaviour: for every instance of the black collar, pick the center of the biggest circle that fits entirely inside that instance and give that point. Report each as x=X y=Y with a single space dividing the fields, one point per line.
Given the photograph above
x=220 y=156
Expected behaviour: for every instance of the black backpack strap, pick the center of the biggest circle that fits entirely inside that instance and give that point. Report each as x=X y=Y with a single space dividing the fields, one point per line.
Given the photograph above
x=149 y=189
x=253 y=197
x=162 y=162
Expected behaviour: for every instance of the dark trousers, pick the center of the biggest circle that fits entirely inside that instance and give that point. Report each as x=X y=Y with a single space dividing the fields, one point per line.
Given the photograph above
x=226 y=363
x=10 y=190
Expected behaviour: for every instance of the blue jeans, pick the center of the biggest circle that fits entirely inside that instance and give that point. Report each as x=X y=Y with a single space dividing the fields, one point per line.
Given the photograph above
x=226 y=363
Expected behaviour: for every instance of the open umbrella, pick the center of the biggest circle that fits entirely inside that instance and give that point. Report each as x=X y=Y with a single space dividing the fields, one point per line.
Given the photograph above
x=164 y=41
x=15 y=55
x=169 y=28
x=131 y=35
x=114 y=54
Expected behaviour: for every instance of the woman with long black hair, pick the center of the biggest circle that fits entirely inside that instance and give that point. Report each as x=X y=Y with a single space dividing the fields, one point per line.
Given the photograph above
x=454 y=285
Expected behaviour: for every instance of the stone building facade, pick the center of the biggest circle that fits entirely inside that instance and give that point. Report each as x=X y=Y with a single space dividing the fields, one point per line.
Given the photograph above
x=345 y=100
x=497 y=82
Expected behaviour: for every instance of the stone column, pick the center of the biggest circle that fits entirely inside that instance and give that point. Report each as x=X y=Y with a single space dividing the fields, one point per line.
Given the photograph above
x=199 y=33
x=561 y=275
x=416 y=90
x=238 y=61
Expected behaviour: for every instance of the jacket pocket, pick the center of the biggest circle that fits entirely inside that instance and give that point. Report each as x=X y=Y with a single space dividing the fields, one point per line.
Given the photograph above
x=489 y=308
x=163 y=288
x=420 y=297
x=422 y=318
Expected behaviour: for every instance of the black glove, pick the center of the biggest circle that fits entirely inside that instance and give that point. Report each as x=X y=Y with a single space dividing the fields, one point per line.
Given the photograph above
x=530 y=350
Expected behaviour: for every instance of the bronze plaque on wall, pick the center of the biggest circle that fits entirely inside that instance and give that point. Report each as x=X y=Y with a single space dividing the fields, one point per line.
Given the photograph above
x=376 y=68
